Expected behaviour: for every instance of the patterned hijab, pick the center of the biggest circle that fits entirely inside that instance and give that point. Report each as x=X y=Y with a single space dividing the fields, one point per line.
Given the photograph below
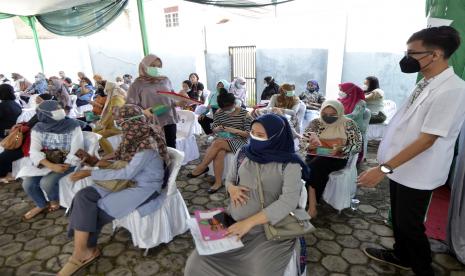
x=145 y=62
x=354 y=95
x=138 y=134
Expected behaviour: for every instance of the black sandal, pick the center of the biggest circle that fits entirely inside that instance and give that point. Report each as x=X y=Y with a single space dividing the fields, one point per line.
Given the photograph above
x=190 y=175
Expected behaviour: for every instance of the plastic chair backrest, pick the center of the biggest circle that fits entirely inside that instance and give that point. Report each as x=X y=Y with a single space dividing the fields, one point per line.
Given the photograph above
x=390 y=109
x=352 y=162
x=366 y=121
x=176 y=157
x=91 y=144
x=185 y=126
x=32 y=101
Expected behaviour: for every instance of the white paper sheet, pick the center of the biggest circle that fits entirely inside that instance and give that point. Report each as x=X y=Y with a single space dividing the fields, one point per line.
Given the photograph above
x=211 y=247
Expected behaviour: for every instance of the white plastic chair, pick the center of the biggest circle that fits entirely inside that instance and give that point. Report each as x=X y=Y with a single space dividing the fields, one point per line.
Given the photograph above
x=366 y=123
x=341 y=186
x=73 y=113
x=300 y=117
x=166 y=222
x=26 y=115
x=228 y=162
x=376 y=131
x=115 y=140
x=185 y=139
x=67 y=188
x=32 y=101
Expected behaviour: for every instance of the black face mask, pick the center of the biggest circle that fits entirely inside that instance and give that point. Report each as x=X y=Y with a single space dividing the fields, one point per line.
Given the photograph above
x=411 y=65
x=329 y=119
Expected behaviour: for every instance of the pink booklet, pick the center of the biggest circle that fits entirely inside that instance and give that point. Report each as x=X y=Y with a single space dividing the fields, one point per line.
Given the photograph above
x=210 y=228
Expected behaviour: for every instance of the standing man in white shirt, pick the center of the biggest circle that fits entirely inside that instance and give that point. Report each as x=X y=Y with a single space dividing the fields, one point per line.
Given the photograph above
x=417 y=149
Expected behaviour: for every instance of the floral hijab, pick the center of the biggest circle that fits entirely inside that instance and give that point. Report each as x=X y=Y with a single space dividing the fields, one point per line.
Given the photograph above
x=138 y=134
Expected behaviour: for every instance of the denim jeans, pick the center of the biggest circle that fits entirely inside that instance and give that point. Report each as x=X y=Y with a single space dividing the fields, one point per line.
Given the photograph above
x=36 y=186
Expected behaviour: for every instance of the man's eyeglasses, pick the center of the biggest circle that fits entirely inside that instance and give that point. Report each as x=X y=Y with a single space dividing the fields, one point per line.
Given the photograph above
x=409 y=53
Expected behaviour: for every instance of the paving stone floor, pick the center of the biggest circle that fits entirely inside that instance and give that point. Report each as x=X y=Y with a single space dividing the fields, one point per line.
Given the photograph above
x=41 y=247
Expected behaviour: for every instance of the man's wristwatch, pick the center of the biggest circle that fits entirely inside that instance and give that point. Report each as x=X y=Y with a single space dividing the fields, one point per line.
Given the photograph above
x=385 y=169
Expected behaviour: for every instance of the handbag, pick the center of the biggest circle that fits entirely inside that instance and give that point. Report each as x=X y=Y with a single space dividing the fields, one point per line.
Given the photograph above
x=56 y=156
x=116 y=185
x=14 y=140
x=294 y=225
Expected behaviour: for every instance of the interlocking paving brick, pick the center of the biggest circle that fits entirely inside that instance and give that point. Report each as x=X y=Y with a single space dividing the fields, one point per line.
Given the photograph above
x=382 y=268
x=113 y=249
x=17 y=228
x=335 y=263
x=348 y=241
x=340 y=228
x=57 y=262
x=4 y=239
x=147 y=268
x=42 y=224
x=51 y=231
x=381 y=230
x=387 y=242
x=10 y=249
x=313 y=254
x=365 y=235
x=354 y=256
x=358 y=223
x=18 y=258
x=358 y=270
x=27 y=268
x=47 y=252
x=316 y=270
x=329 y=247
x=36 y=244
x=448 y=262
x=120 y=272
x=324 y=234
x=25 y=236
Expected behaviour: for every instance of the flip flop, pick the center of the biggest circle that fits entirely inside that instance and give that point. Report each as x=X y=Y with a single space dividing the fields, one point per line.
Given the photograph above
x=32 y=214
x=53 y=207
x=74 y=265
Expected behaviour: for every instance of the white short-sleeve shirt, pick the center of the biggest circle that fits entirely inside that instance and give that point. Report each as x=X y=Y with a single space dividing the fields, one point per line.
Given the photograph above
x=438 y=110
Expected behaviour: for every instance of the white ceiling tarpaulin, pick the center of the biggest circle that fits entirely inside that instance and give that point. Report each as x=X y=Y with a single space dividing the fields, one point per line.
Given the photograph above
x=33 y=7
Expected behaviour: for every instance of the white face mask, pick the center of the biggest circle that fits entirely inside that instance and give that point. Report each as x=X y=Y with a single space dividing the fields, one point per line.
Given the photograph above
x=258 y=138
x=58 y=115
x=364 y=87
x=342 y=95
x=119 y=82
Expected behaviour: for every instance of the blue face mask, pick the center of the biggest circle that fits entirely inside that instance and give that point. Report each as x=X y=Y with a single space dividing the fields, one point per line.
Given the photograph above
x=153 y=71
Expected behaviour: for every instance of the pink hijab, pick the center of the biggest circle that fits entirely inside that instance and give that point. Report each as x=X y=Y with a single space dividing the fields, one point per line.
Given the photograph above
x=354 y=95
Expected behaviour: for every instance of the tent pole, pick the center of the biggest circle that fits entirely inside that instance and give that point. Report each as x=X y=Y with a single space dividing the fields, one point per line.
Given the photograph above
x=32 y=24
x=143 y=30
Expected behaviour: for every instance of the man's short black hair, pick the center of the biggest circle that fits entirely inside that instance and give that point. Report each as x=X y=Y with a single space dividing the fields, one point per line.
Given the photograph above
x=68 y=80
x=445 y=38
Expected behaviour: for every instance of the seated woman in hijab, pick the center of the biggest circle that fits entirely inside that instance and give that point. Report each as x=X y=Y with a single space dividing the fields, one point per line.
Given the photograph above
x=106 y=126
x=54 y=141
x=57 y=89
x=352 y=98
x=271 y=155
x=144 y=149
x=39 y=86
x=328 y=141
x=9 y=109
x=238 y=88
x=311 y=96
x=7 y=157
x=231 y=125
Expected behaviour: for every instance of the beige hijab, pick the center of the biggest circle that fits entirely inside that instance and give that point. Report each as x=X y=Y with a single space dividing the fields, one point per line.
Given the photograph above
x=336 y=130
x=145 y=62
